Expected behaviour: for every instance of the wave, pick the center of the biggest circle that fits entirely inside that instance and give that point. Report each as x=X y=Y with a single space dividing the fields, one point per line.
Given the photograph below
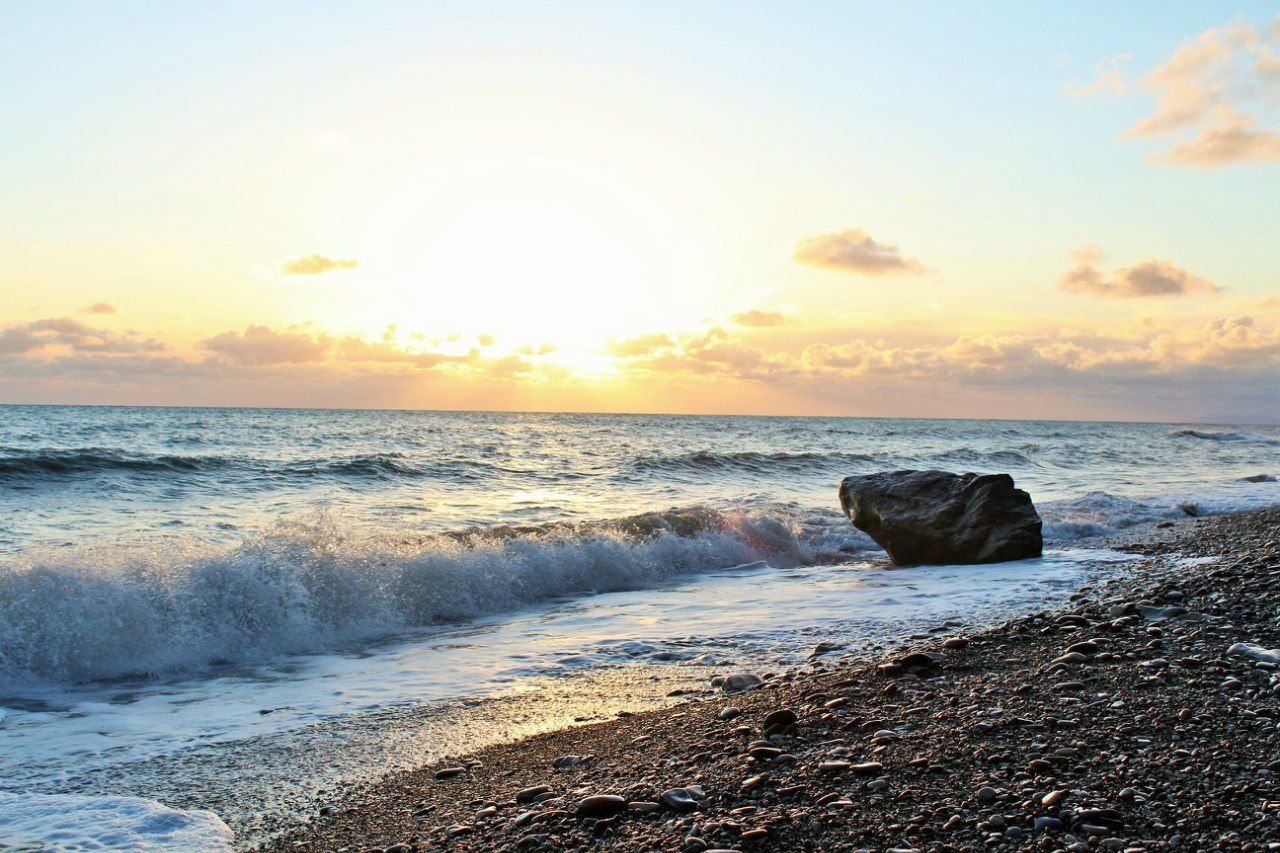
x=1102 y=513
x=749 y=460
x=26 y=465
x=313 y=584
x=970 y=456
x=1224 y=435
x=29 y=467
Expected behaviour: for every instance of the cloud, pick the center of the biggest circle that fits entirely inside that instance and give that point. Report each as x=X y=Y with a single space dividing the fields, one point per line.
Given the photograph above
x=641 y=345
x=1163 y=368
x=855 y=251
x=317 y=265
x=1107 y=79
x=67 y=334
x=354 y=349
x=260 y=345
x=1216 y=97
x=1152 y=278
x=755 y=319
x=99 y=308
x=1234 y=144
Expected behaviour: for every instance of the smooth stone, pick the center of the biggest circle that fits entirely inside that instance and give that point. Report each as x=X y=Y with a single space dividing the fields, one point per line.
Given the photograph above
x=740 y=681
x=450 y=772
x=929 y=660
x=781 y=717
x=528 y=795
x=570 y=761
x=1052 y=798
x=601 y=805
x=678 y=800
x=729 y=713
x=987 y=795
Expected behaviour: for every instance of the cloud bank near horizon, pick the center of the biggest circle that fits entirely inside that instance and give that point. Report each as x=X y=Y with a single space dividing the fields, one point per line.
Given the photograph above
x=1222 y=363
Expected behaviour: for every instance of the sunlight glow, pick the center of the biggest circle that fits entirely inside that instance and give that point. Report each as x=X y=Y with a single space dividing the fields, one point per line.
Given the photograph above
x=531 y=250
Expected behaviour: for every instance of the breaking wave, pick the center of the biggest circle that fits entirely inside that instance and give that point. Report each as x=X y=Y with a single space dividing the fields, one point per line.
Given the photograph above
x=1211 y=435
x=312 y=584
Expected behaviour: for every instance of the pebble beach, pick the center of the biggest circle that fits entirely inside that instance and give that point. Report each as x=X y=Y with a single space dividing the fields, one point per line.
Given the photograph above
x=1128 y=719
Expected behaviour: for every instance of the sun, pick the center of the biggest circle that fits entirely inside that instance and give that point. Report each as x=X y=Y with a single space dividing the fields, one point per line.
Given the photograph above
x=533 y=251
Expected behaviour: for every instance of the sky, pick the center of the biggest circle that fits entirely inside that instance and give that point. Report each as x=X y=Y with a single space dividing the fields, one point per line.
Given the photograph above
x=1048 y=210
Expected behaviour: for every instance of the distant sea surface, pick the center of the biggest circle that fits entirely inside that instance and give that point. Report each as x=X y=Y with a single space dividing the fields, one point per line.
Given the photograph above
x=178 y=583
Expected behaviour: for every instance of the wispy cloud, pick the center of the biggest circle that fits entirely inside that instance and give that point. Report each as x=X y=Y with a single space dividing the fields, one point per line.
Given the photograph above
x=1108 y=79
x=1216 y=97
x=99 y=308
x=317 y=265
x=756 y=319
x=1151 y=278
x=854 y=250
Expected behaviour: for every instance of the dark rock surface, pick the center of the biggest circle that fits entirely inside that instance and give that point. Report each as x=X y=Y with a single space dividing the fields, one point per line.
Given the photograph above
x=936 y=517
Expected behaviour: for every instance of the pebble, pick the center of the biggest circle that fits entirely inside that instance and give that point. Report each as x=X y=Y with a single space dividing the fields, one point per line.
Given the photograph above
x=528 y=795
x=1191 y=764
x=729 y=713
x=740 y=681
x=601 y=805
x=570 y=761
x=450 y=772
x=779 y=719
x=678 y=800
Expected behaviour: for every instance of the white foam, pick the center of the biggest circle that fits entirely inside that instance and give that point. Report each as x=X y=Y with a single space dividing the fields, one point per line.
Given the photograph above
x=313 y=585
x=1102 y=513
x=753 y=616
x=75 y=822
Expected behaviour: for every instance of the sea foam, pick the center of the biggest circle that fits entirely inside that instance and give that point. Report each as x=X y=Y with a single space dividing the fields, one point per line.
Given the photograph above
x=315 y=584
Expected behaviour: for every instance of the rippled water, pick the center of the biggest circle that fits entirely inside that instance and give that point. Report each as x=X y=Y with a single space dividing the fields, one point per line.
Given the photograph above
x=141 y=540
x=193 y=602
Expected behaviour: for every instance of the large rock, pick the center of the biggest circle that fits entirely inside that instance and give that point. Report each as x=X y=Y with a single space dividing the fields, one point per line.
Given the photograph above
x=939 y=517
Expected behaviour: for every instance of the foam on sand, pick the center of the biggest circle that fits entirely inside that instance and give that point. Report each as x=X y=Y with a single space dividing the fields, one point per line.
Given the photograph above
x=78 y=822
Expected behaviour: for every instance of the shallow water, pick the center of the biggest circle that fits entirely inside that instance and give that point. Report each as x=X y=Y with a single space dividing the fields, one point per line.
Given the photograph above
x=200 y=606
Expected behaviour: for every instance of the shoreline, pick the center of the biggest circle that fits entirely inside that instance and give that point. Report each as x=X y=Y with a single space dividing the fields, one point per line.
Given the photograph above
x=1148 y=735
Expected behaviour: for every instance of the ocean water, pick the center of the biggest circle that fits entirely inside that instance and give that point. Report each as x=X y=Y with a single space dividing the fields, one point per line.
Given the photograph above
x=196 y=605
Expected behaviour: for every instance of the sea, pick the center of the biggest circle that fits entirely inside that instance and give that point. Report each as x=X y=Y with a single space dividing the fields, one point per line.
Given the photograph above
x=214 y=621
